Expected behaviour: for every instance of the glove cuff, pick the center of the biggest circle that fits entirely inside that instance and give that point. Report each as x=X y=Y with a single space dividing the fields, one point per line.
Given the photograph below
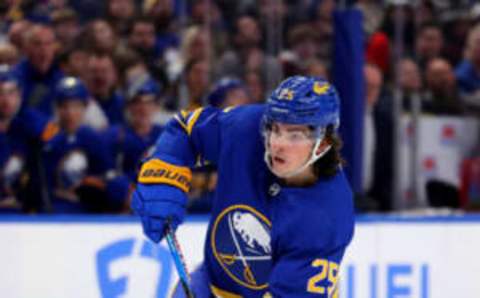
x=156 y=171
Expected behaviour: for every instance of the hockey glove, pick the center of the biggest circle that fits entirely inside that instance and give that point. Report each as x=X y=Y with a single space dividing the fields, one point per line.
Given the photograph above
x=161 y=194
x=155 y=204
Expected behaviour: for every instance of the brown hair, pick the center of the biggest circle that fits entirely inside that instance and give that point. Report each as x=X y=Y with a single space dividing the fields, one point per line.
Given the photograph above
x=328 y=165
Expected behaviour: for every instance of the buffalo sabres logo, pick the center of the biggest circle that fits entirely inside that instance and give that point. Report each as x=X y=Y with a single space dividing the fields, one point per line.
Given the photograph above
x=241 y=244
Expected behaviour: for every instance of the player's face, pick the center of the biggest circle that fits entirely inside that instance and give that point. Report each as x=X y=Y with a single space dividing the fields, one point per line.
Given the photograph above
x=290 y=147
x=9 y=100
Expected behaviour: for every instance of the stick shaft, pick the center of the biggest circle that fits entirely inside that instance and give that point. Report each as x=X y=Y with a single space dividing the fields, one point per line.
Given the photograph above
x=178 y=260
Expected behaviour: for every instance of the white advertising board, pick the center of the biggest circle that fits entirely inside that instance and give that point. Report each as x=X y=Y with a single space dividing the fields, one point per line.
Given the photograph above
x=417 y=258
x=109 y=257
x=88 y=258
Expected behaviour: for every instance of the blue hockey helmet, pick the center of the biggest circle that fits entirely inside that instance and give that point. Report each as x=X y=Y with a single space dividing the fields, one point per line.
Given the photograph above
x=71 y=88
x=304 y=100
x=307 y=101
x=219 y=92
x=143 y=85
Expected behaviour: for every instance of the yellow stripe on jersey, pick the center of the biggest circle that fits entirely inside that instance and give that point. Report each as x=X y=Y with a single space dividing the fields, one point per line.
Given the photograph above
x=191 y=119
x=157 y=171
x=181 y=122
x=222 y=294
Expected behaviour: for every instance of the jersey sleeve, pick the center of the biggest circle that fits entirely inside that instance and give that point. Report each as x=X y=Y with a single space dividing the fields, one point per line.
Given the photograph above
x=190 y=139
x=308 y=260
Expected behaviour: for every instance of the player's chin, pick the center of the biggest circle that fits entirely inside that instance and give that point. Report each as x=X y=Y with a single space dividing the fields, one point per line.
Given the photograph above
x=280 y=171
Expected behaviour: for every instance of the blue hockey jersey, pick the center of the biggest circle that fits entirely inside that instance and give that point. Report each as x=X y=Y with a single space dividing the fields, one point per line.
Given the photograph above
x=264 y=239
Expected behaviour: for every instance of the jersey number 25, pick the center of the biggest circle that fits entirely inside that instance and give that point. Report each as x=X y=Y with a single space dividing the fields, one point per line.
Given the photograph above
x=325 y=281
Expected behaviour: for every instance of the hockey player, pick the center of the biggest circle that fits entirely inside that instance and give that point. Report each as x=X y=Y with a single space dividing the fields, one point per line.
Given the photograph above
x=80 y=172
x=22 y=132
x=283 y=213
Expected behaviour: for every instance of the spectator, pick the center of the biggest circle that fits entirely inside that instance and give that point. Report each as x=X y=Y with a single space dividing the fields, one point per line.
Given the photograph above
x=120 y=13
x=378 y=52
x=66 y=26
x=302 y=41
x=378 y=143
x=80 y=172
x=425 y=12
x=17 y=32
x=205 y=13
x=255 y=85
x=9 y=54
x=429 y=43
x=196 y=44
x=442 y=96
x=143 y=39
x=72 y=61
x=247 y=55
x=130 y=66
x=100 y=37
x=468 y=71
x=228 y=92
x=130 y=142
x=22 y=132
x=38 y=72
x=163 y=14
x=410 y=80
x=102 y=80
x=197 y=74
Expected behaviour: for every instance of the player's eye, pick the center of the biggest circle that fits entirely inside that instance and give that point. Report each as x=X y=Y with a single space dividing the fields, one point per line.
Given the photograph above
x=297 y=136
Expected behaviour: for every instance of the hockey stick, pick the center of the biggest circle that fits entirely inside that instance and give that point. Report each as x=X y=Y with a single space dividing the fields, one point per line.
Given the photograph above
x=178 y=259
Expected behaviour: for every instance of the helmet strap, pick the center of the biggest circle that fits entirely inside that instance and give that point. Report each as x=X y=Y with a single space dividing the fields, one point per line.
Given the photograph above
x=314 y=156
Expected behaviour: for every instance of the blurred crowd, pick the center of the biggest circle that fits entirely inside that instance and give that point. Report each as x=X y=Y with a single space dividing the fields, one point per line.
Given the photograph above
x=87 y=86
